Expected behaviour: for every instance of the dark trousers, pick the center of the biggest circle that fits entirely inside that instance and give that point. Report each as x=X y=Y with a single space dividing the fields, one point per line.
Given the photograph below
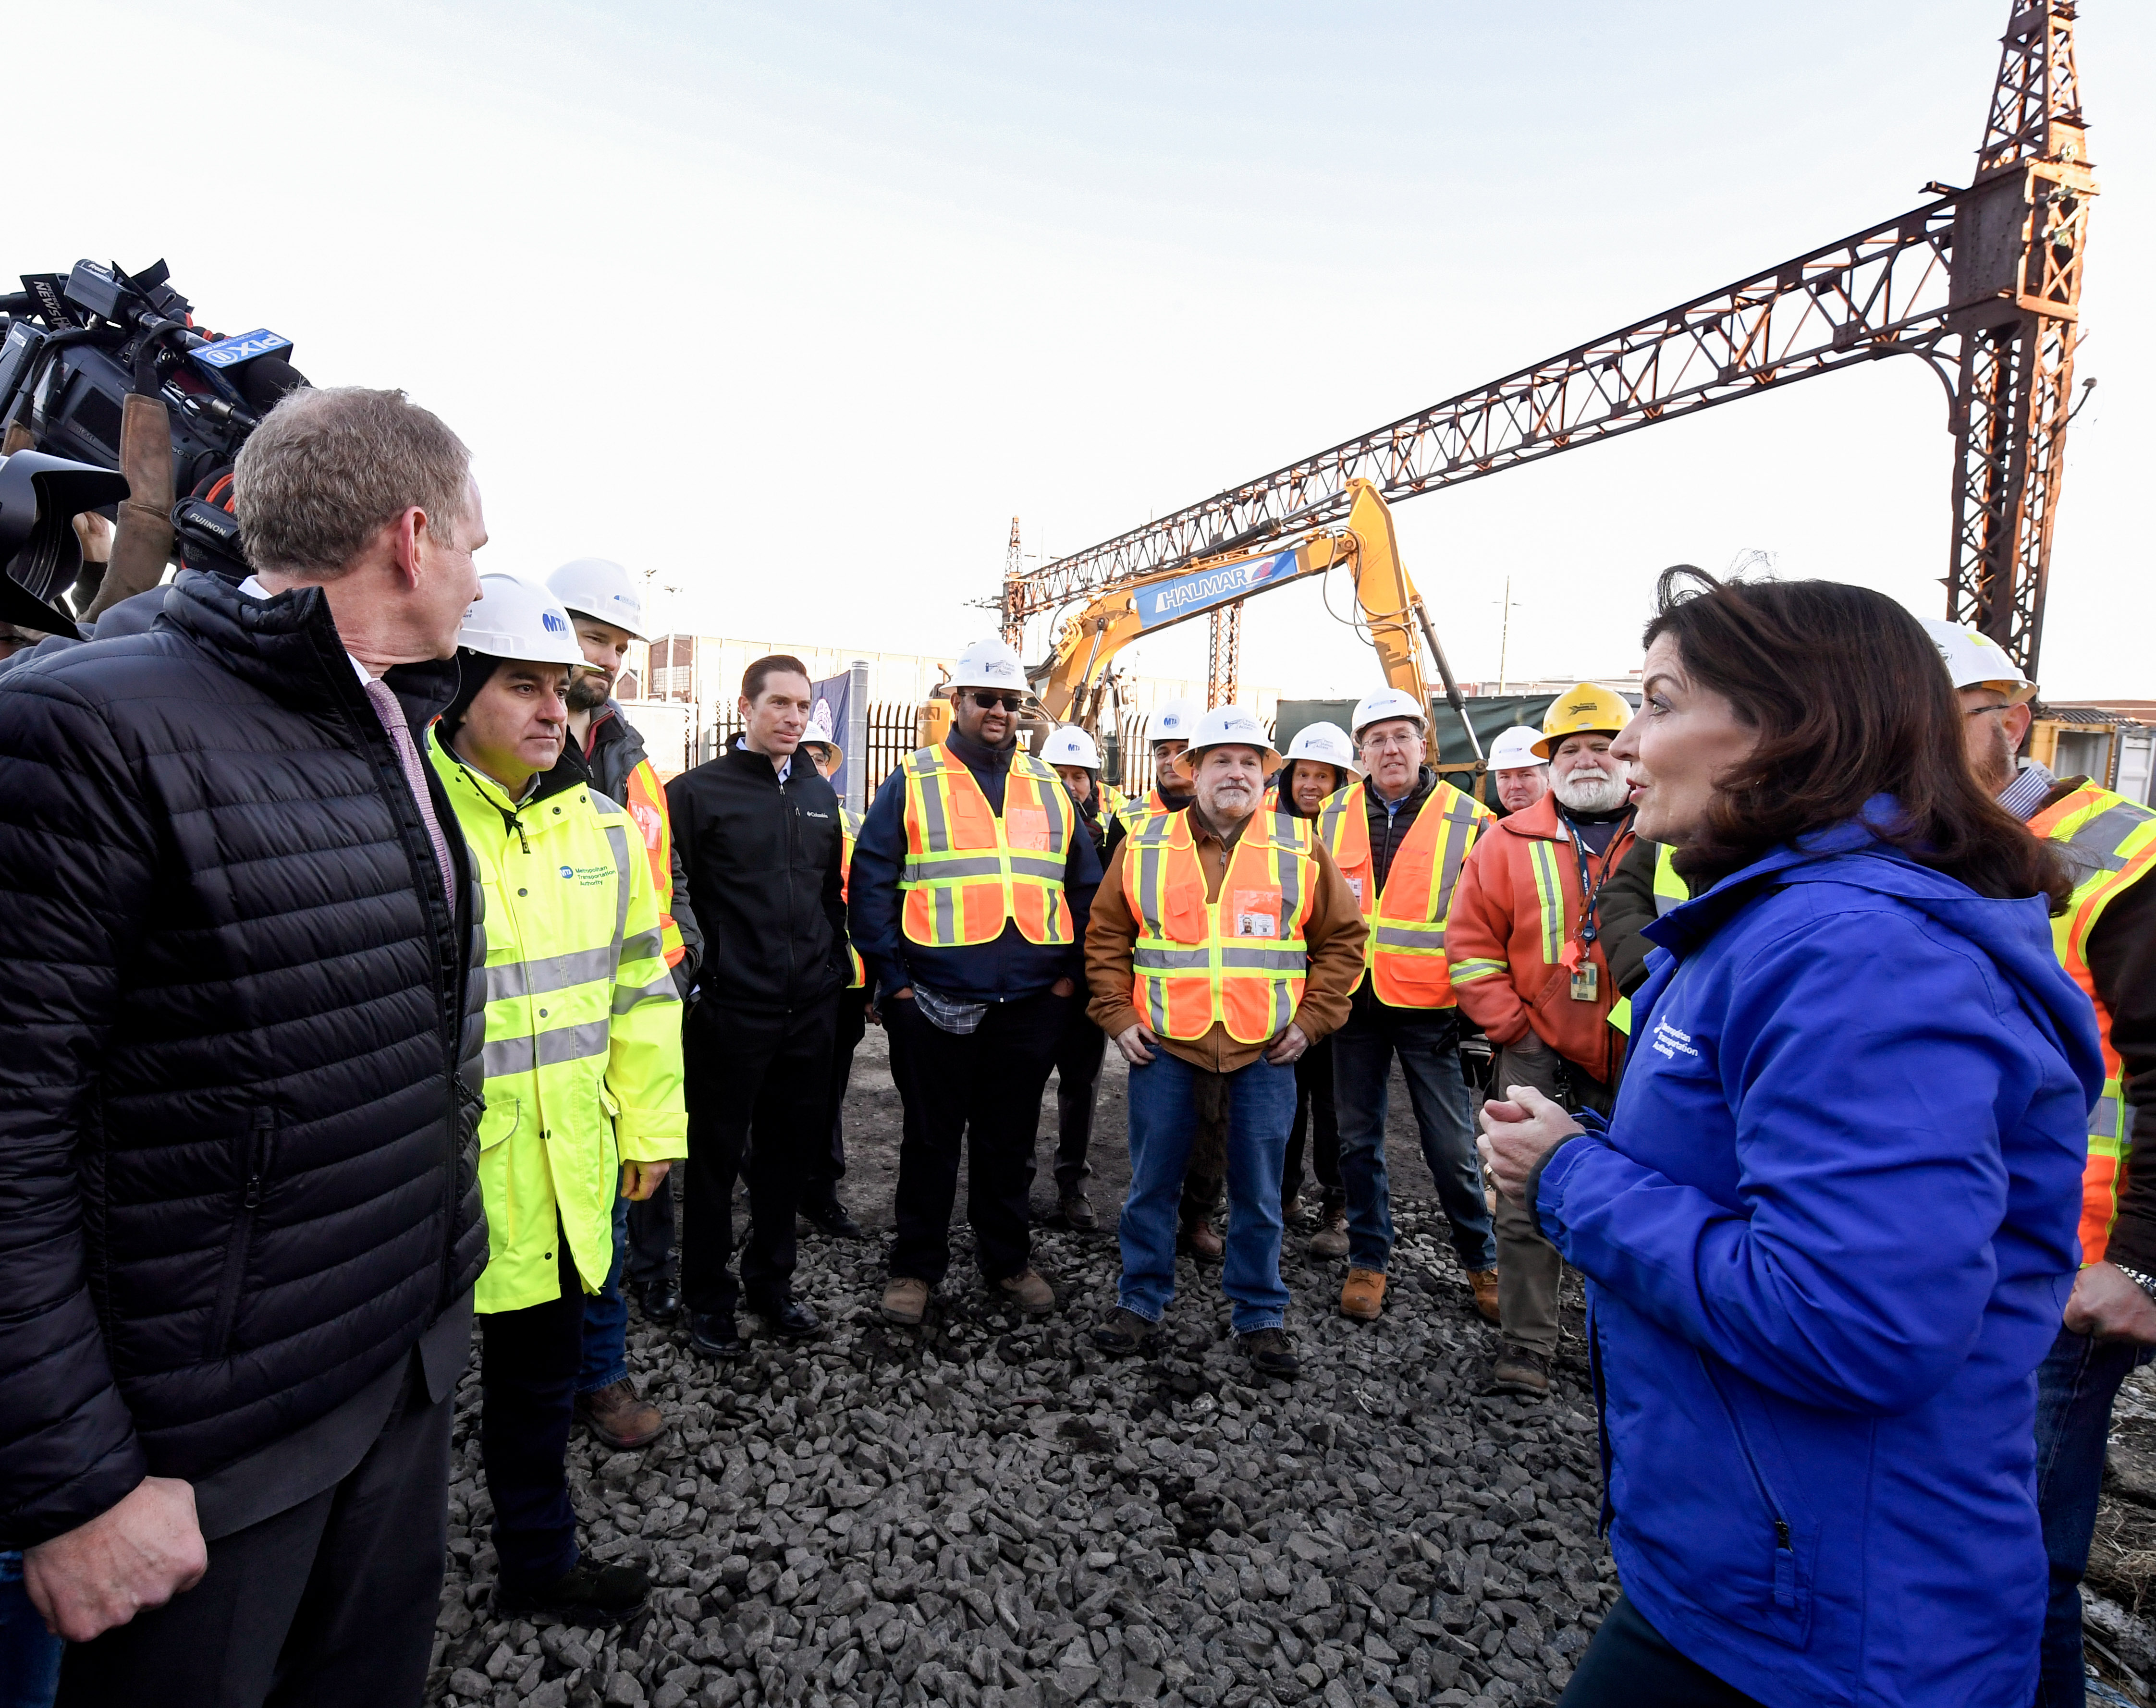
x=1427 y=1041
x=529 y=1361
x=1629 y=1664
x=1080 y=1051
x=1314 y=1113
x=758 y=1087
x=980 y=1090
x=648 y=1253
x=827 y=1166
x=331 y=1603
x=2075 y=1384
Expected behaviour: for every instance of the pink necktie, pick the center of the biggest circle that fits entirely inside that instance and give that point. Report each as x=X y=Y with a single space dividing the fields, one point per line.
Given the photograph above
x=391 y=710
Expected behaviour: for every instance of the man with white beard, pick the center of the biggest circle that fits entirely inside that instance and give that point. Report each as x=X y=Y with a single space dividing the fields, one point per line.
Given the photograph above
x=1529 y=962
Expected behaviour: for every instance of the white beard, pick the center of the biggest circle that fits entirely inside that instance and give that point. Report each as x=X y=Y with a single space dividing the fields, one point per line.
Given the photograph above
x=1591 y=791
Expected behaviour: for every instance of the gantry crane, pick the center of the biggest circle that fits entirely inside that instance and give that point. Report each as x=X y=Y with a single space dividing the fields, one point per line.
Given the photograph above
x=1982 y=283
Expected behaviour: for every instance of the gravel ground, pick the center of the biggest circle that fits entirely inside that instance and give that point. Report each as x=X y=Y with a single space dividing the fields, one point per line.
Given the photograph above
x=984 y=1512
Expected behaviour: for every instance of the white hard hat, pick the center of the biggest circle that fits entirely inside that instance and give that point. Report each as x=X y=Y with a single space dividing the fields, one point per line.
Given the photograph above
x=1329 y=744
x=597 y=586
x=1173 y=720
x=1514 y=749
x=1071 y=745
x=819 y=732
x=517 y=618
x=1386 y=703
x=989 y=663
x=1227 y=726
x=1974 y=660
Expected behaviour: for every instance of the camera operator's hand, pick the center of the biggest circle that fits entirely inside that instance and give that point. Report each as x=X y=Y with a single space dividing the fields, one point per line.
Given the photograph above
x=138 y=1554
x=94 y=534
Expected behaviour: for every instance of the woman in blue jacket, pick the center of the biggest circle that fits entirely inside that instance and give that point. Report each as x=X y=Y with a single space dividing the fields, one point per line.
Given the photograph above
x=1830 y=1227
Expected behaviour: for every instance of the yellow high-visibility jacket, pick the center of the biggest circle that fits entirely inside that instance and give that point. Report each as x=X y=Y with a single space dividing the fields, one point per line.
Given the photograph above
x=583 y=1028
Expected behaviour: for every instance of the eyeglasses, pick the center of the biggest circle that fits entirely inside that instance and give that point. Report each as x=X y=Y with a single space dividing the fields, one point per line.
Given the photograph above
x=1395 y=740
x=989 y=702
x=1978 y=712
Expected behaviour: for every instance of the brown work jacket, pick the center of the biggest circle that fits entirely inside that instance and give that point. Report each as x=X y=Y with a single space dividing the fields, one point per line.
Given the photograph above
x=1332 y=937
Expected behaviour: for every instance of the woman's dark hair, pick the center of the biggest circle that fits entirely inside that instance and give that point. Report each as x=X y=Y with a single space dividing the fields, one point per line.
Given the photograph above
x=1847 y=693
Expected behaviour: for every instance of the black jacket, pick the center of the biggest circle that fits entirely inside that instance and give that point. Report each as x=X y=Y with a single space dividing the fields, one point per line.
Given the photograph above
x=1388 y=830
x=765 y=862
x=240 y=1085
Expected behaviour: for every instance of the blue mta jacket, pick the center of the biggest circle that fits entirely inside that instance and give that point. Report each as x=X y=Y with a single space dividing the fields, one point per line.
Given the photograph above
x=1829 y=1233
x=995 y=972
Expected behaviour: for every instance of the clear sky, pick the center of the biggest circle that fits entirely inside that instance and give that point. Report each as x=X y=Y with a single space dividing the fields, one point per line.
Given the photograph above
x=802 y=303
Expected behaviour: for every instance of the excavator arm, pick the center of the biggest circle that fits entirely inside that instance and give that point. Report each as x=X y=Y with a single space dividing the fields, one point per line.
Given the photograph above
x=1392 y=611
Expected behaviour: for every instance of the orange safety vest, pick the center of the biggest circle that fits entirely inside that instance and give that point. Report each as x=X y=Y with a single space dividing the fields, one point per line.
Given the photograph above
x=1239 y=961
x=2108 y=843
x=849 y=830
x=646 y=806
x=1405 y=949
x=967 y=871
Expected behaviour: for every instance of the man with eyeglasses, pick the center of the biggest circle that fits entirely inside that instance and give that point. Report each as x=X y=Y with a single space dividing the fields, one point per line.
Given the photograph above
x=1399 y=835
x=2106 y=940
x=972 y=880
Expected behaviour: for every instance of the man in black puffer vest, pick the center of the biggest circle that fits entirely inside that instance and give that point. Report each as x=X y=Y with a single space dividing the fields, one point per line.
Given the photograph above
x=239 y=1223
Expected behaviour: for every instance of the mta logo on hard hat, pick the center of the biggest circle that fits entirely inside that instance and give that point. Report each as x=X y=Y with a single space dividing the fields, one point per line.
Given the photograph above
x=1171 y=721
x=553 y=623
x=569 y=871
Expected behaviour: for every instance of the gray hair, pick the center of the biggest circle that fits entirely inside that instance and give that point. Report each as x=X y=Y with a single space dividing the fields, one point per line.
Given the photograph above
x=328 y=467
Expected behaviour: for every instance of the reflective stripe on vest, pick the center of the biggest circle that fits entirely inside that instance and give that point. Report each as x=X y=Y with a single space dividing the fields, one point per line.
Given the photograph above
x=1404 y=950
x=1238 y=961
x=1134 y=812
x=1671 y=892
x=968 y=870
x=2108 y=843
x=849 y=829
x=647 y=806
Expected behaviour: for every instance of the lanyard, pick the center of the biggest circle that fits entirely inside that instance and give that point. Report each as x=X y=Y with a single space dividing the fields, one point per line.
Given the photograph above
x=1591 y=890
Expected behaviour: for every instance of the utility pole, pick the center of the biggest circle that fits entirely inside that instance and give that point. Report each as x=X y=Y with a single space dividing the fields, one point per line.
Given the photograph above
x=1504 y=634
x=1224 y=662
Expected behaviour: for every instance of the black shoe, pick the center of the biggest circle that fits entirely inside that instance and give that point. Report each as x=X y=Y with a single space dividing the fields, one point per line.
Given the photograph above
x=586 y=1595
x=714 y=1336
x=1271 y=1352
x=659 y=1300
x=1078 y=1212
x=829 y=1217
x=1125 y=1333
x=789 y=1319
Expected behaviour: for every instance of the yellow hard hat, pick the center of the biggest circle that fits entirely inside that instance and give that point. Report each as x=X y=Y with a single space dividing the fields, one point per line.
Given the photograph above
x=1587 y=709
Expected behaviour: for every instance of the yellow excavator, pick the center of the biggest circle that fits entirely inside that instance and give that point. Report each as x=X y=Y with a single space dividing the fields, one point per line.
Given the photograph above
x=1076 y=680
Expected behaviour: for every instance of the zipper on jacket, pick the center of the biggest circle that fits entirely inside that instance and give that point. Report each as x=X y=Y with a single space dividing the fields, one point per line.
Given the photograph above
x=255 y=1169
x=1785 y=1553
x=1601 y=1417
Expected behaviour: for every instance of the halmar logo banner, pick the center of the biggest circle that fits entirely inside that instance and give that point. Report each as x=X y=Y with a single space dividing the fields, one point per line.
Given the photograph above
x=1166 y=601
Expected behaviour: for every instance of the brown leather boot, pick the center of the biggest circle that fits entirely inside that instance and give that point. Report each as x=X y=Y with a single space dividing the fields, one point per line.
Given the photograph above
x=620 y=1416
x=1199 y=1241
x=1363 y=1296
x=1330 y=1239
x=1485 y=1283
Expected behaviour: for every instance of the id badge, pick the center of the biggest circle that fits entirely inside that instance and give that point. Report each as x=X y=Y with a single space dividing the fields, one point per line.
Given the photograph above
x=1586 y=981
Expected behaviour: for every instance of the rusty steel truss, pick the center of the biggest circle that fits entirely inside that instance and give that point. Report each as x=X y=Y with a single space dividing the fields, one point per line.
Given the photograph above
x=1984 y=283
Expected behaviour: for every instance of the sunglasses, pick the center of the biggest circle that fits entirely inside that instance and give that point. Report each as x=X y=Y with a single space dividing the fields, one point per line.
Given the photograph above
x=989 y=702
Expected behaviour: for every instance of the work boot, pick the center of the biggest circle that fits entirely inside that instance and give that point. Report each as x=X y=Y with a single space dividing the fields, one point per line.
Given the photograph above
x=905 y=1301
x=788 y=1319
x=587 y=1594
x=1198 y=1240
x=1078 y=1213
x=1485 y=1283
x=1027 y=1292
x=1125 y=1333
x=829 y=1218
x=619 y=1417
x=1331 y=1238
x=1271 y=1352
x=1363 y=1296
x=1520 y=1369
x=1291 y=1209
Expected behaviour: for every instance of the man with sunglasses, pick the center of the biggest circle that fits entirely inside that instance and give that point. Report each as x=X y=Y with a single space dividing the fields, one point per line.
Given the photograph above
x=971 y=885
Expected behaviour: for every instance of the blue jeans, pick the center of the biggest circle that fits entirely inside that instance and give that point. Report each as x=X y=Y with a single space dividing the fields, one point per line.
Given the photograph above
x=1427 y=1041
x=29 y=1654
x=606 y=1315
x=1164 y=1116
x=2075 y=1386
